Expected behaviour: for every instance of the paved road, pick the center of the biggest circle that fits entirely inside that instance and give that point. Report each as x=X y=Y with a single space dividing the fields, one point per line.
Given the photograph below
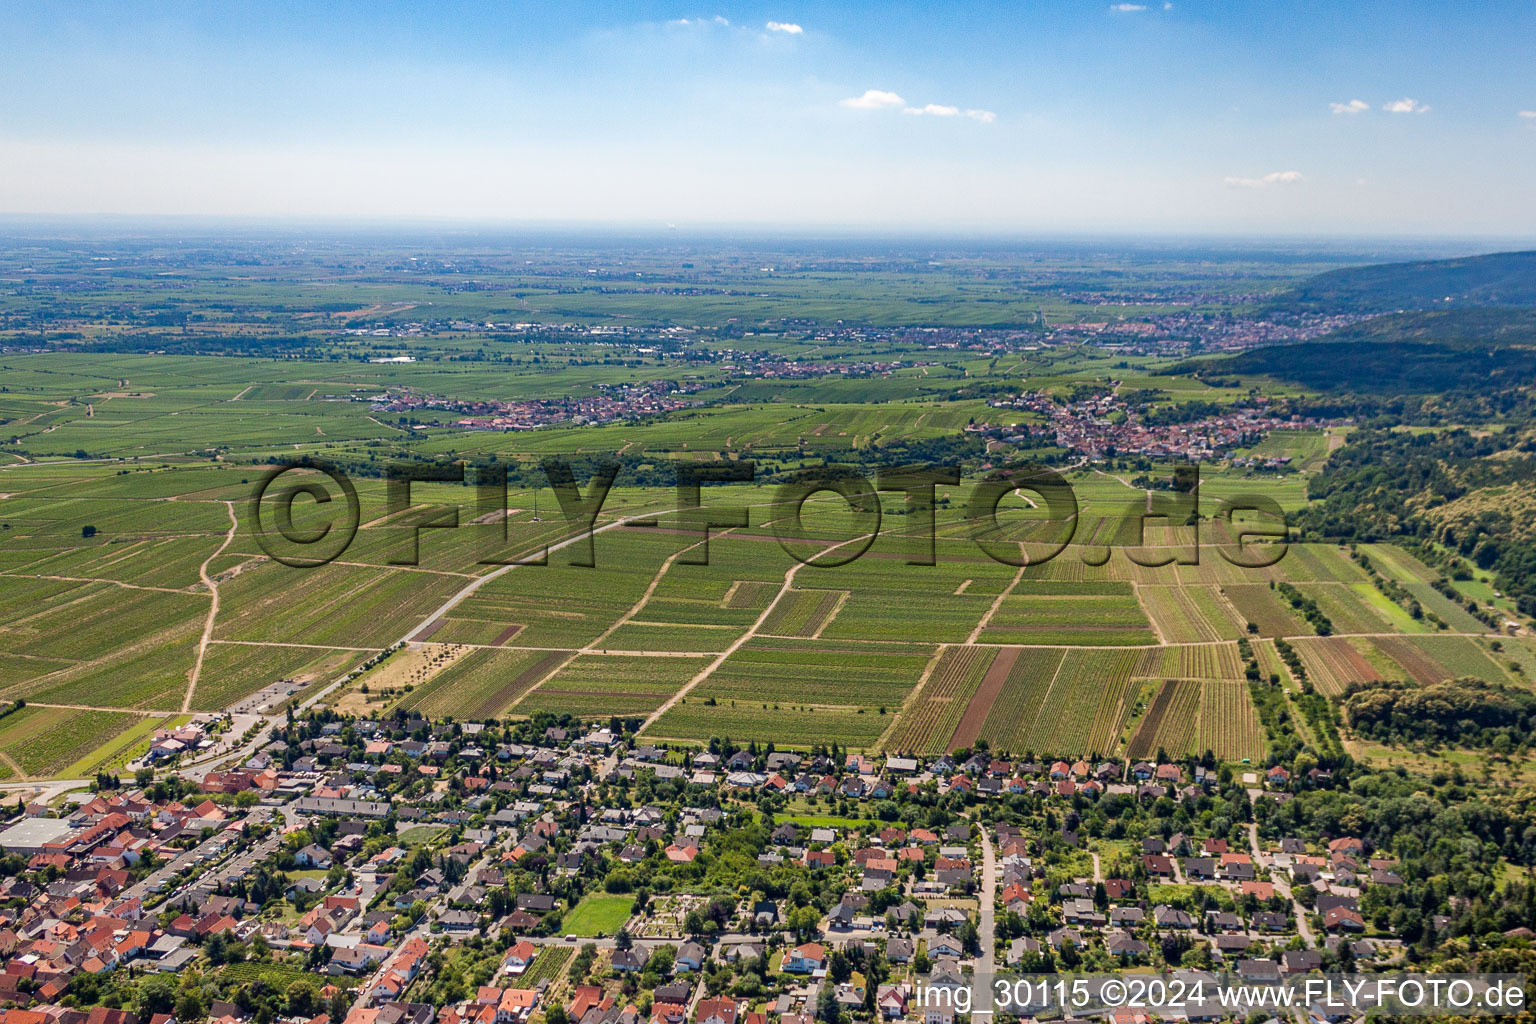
x=145 y=888
x=1284 y=889
x=987 y=963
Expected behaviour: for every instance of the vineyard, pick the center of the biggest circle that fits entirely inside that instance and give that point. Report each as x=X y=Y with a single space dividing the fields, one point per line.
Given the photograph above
x=1333 y=662
x=1068 y=703
x=1258 y=604
x=548 y=966
x=595 y=685
x=1229 y=725
x=1203 y=661
x=1188 y=614
x=1191 y=716
x=927 y=724
x=1414 y=661
x=1319 y=563
x=1171 y=722
x=788 y=725
x=482 y=683
x=1078 y=614
x=39 y=741
x=1457 y=656
x=864 y=677
x=802 y=612
x=1344 y=608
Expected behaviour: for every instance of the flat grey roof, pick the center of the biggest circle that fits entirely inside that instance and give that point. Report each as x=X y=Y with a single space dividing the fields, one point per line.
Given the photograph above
x=32 y=833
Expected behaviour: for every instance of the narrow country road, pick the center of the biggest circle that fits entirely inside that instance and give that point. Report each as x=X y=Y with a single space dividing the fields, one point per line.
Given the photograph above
x=480 y=581
x=197 y=768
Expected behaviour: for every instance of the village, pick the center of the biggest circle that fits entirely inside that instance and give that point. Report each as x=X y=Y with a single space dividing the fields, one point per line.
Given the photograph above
x=358 y=872
x=1105 y=425
x=612 y=403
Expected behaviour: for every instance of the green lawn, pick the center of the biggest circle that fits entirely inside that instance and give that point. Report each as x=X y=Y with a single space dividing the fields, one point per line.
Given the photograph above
x=598 y=915
x=113 y=755
x=420 y=835
x=835 y=821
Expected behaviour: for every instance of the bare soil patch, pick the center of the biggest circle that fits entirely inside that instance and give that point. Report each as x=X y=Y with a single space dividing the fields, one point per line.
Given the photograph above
x=981 y=702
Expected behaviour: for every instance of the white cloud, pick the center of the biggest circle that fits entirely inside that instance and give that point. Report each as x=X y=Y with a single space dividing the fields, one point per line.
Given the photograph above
x=1272 y=178
x=787 y=27
x=943 y=110
x=873 y=99
x=934 y=110
x=1406 y=105
x=1127 y=8
x=716 y=20
x=1529 y=114
x=1352 y=107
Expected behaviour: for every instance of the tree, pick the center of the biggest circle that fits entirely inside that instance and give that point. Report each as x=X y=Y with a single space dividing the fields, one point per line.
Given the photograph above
x=157 y=994
x=803 y=920
x=189 y=1006
x=827 y=1010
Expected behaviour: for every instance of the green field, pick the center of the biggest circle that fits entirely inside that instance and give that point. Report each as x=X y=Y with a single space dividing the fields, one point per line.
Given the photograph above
x=129 y=445
x=1105 y=614
x=788 y=725
x=597 y=686
x=38 y=742
x=597 y=915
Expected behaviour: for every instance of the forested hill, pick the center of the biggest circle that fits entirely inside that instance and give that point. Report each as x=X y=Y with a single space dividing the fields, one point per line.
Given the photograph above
x=1497 y=279
x=1481 y=350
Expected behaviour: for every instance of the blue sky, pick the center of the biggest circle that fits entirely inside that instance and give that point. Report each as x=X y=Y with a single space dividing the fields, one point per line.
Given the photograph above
x=1027 y=116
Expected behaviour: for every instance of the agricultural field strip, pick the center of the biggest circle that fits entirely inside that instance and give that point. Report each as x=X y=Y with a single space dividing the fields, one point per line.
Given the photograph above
x=911 y=698
x=789 y=579
x=998 y=602
x=146 y=712
x=1146 y=610
x=1046 y=697
x=96 y=579
x=280 y=643
x=634 y=609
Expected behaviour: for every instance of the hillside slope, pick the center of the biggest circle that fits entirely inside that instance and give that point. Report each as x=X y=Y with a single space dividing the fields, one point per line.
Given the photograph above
x=1479 y=350
x=1496 y=279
